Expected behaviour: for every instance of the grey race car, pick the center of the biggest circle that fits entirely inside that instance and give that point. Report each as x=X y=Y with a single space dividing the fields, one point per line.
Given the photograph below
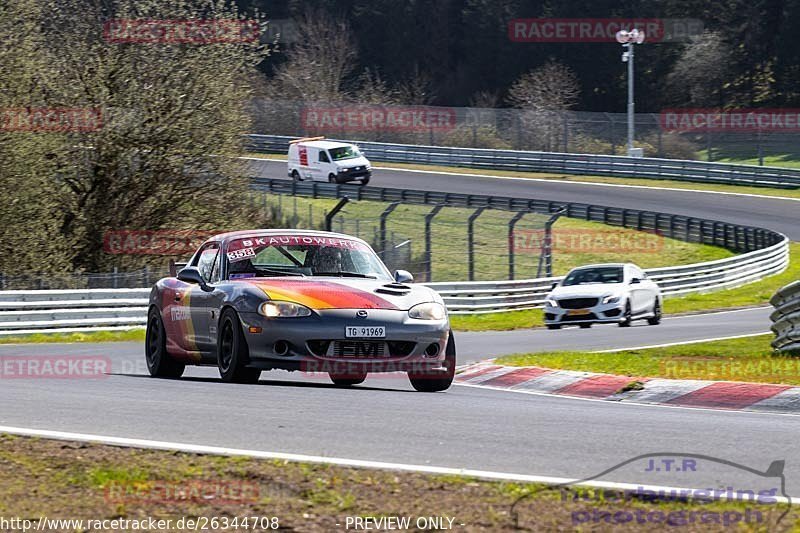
x=297 y=300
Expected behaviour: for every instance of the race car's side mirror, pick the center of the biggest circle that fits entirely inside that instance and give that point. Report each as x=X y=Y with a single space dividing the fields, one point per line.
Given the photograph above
x=403 y=276
x=192 y=275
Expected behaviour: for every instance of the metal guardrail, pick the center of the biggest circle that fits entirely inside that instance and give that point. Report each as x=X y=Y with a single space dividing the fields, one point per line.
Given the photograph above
x=562 y=163
x=786 y=318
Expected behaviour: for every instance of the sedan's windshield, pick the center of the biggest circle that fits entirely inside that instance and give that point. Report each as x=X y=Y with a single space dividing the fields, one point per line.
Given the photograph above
x=585 y=276
x=302 y=255
x=344 y=152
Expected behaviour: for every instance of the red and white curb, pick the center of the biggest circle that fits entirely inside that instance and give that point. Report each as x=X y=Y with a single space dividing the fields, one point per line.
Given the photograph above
x=759 y=397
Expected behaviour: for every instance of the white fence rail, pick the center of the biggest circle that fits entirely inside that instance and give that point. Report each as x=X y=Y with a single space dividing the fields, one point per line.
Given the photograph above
x=786 y=318
x=25 y=312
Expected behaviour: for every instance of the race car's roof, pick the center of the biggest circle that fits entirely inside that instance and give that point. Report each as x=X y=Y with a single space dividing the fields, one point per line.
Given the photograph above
x=269 y=232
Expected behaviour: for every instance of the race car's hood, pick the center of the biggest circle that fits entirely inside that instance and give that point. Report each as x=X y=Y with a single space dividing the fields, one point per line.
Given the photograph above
x=343 y=293
x=592 y=290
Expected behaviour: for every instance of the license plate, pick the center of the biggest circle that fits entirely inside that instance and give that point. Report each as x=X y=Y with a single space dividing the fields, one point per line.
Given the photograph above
x=579 y=312
x=365 y=332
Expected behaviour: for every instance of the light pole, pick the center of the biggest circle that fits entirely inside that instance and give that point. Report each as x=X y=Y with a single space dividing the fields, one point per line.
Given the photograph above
x=627 y=39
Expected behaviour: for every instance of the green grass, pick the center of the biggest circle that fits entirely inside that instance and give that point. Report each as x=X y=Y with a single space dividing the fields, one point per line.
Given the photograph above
x=639 y=182
x=449 y=239
x=750 y=359
x=133 y=335
x=780 y=160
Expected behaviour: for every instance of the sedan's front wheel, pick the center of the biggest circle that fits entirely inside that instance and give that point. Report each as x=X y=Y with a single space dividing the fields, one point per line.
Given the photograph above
x=439 y=380
x=232 y=351
x=159 y=363
x=656 y=318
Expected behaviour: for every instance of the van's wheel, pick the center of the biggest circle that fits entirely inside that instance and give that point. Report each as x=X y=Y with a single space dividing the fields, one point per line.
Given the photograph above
x=585 y=326
x=656 y=318
x=553 y=326
x=159 y=363
x=437 y=381
x=296 y=176
x=232 y=351
x=349 y=379
x=332 y=179
x=364 y=181
x=627 y=317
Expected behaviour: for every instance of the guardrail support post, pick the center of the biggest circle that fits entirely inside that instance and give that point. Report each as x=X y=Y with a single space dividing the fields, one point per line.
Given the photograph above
x=546 y=253
x=471 y=242
x=512 y=243
x=333 y=212
x=428 y=251
x=384 y=216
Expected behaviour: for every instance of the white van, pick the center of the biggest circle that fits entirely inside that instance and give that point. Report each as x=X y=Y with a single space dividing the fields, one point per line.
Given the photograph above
x=316 y=159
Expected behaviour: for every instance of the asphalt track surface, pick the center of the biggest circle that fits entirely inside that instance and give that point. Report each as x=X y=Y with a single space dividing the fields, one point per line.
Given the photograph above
x=384 y=420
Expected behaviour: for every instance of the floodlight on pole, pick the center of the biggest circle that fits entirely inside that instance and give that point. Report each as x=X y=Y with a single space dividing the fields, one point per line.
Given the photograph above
x=627 y=39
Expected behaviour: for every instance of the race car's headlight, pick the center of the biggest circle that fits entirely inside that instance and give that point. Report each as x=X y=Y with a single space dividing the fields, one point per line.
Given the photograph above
x=283 y=310
x=428 y=311
x=551 y=302
x=610 y=299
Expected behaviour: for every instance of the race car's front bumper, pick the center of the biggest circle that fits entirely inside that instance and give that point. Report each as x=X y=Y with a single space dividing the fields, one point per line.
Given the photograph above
x=610 y=313
x=318 y=343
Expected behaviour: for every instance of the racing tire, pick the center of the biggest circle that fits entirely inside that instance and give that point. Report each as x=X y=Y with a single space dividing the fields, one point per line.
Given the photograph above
x=159 y=363
x=656 y=318
x=296 y=176
x=553 y=326
x=585 y=326
x=349 y=379
x=437 y=381
x=628 y=317
x=233 y=353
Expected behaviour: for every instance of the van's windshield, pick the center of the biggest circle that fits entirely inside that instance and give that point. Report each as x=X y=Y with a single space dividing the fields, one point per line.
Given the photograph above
x=344 y=152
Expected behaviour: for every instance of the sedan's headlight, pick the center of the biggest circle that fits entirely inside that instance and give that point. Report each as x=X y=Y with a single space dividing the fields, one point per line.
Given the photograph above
x=551 y=302
x=610 y=299
x=428 y=311
x=283 y=310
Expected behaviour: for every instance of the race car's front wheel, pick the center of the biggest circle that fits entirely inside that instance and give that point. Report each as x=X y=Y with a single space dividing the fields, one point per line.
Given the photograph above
x=349 y=379
x=439 y=380
x=159 y=362
x=232 y=351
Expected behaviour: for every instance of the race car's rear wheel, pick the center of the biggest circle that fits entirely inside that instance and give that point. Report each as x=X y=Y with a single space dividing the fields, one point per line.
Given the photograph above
x=159 y=362
x=436 y=381
x=232 y=351
x=349 y=379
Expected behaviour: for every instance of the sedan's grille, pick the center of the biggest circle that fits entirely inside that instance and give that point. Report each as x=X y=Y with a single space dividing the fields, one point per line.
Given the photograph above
x=579 y=318
x=577 y=303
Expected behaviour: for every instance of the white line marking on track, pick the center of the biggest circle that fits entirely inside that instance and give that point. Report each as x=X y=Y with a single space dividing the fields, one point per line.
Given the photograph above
x=590 y=183
x=355 y=463
x=712 y=339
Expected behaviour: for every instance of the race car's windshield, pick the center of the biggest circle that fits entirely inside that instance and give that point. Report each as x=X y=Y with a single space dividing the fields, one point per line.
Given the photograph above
x=302 y=255
x=344 y=152
x=586 y=276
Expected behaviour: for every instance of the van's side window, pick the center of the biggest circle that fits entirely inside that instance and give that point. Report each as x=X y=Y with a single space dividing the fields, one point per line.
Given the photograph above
x=323 y=157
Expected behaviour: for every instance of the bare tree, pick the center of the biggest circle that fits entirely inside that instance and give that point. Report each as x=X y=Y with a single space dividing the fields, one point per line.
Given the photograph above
x=319 y=63
x=699 y=74
x=543 y=95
